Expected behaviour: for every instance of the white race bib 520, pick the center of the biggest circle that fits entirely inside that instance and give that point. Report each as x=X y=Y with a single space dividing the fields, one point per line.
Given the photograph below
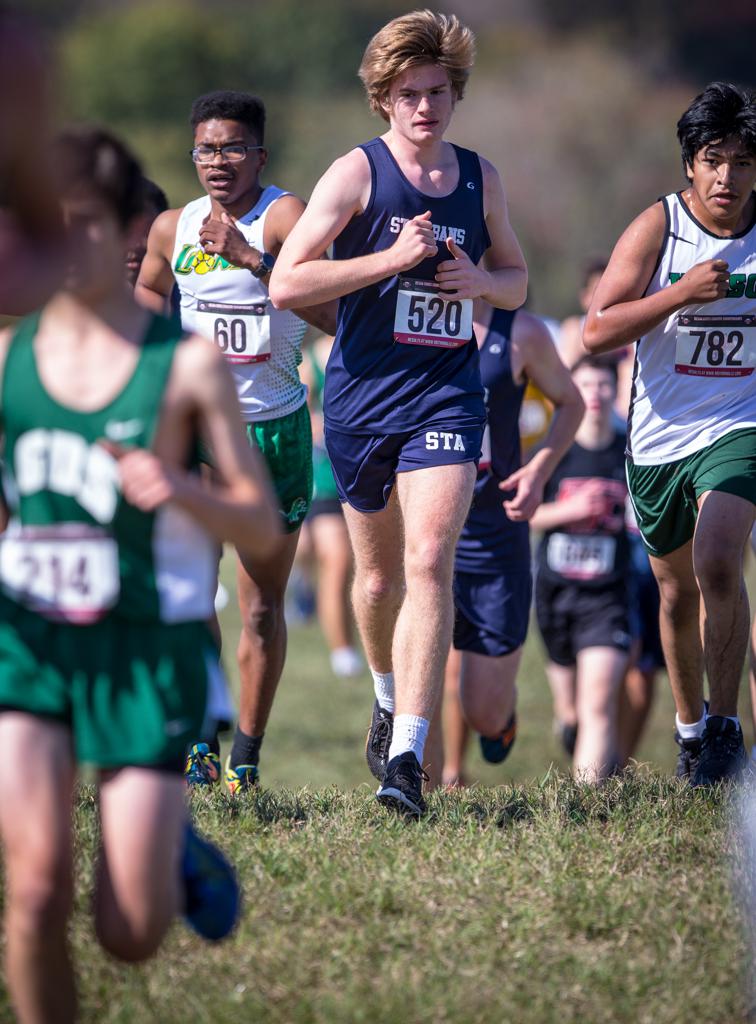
x=424 y=316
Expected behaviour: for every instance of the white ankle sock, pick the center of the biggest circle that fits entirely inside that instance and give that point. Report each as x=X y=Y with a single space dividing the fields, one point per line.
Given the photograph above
x=383 y=684
x=410 y=733
x=692 y=731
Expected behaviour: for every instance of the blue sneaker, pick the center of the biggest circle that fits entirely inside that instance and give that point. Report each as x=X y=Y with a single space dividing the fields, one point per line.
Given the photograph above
x=203 y=767
x=212 y=894
x=495 y=749
x=242 y=777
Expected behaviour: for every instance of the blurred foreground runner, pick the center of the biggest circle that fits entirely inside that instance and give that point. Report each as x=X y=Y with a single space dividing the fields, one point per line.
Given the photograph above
x=107 y=574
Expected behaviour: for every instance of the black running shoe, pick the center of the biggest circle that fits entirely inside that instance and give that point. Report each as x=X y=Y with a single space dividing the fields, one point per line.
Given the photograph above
x=687 y=759
x=379 y=740
x=495 y=749
x=690 y=751
x=402 y=786
x=723 y=753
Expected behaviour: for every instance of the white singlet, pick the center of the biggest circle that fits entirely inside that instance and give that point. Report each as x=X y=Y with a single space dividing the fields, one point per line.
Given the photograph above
x=230 y=306
x=694 y=378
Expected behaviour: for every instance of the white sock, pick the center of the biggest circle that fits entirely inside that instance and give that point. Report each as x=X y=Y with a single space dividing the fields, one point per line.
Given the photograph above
x=383 y=684
x=694 y=731
x=410 y=733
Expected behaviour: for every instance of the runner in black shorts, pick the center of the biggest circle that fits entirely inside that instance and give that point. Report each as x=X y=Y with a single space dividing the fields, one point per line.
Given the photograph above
x=582 y=601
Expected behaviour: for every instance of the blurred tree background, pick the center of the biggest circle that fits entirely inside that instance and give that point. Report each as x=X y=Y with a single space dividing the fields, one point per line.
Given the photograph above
x=575 y=104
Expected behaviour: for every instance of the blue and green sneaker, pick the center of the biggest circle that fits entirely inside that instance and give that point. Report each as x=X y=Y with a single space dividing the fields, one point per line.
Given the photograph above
x=203 y=767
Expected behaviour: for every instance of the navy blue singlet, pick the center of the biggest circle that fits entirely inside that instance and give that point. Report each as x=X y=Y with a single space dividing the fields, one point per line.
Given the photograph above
x=490 y=542
x=375 y=385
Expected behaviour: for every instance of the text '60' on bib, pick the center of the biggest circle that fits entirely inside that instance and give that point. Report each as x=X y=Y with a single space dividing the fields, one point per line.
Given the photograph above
x=241 y=332
x=68 y=572
x=715 y=346
x=424 y=316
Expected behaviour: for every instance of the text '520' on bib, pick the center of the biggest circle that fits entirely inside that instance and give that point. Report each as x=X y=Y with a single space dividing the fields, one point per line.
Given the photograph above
x=425 y=316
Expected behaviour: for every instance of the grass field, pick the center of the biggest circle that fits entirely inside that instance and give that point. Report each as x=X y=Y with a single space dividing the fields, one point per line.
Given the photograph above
x=535 y=901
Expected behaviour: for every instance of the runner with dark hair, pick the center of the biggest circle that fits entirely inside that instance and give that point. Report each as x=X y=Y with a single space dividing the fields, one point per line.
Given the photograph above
x=681 y=282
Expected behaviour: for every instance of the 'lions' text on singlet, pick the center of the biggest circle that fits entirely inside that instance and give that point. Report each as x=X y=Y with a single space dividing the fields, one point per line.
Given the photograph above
x=74 y=549
x=232 y=307
x=694 y=379
x=490 y=541
x=595 y=552
x=404 y=354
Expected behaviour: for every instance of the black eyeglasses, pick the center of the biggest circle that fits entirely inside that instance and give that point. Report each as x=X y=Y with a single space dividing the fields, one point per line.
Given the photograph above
x=233 y=153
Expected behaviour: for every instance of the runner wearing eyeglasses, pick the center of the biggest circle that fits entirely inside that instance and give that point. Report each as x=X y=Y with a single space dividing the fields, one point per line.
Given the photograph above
x=220 y=250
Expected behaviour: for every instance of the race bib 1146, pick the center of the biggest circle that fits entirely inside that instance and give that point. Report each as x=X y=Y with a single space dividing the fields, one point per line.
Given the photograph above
x=715 y=346
x=578 y=557
x=424 y=316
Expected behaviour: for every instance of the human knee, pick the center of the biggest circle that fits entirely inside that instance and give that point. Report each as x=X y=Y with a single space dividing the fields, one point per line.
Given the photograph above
x=678 y=599
x=39 y=899
x=264 y=614
x=377 y=589
x=429 y=559
x=131 y=937
x=719 y=574
x=485 y=715
x=129 y=947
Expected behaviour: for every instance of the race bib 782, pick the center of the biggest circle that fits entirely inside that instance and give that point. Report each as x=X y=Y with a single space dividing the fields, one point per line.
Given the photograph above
x=715 y=346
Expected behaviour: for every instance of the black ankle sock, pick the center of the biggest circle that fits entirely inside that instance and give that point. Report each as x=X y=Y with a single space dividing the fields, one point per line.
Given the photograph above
x=245 y=749
x=213 y=741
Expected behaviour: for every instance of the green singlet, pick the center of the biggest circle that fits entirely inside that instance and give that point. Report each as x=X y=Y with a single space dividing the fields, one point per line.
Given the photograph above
x=103 y=607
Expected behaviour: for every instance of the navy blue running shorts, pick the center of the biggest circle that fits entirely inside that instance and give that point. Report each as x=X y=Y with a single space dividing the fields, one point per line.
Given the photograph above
x=492 y=611
x=365 y=466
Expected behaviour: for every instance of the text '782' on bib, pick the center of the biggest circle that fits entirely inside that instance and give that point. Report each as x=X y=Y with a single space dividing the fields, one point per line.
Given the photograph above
x=715 y=346
x=241 y=332
x=425 y=316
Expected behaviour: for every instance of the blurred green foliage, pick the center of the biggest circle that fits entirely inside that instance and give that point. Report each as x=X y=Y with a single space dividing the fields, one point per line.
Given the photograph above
x=576 y=105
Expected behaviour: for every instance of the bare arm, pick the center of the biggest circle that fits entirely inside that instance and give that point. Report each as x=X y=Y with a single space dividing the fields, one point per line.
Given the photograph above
x=582 y=506
x=571 y=340
x=283 y=216
x=534 y=356
x=155 y=282
x=240 y=507
x=503 y=282
x=620 y=313
x=301 y=278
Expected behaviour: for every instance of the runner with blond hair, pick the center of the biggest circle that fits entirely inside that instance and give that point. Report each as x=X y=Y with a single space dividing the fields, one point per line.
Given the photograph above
x=410 y=217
